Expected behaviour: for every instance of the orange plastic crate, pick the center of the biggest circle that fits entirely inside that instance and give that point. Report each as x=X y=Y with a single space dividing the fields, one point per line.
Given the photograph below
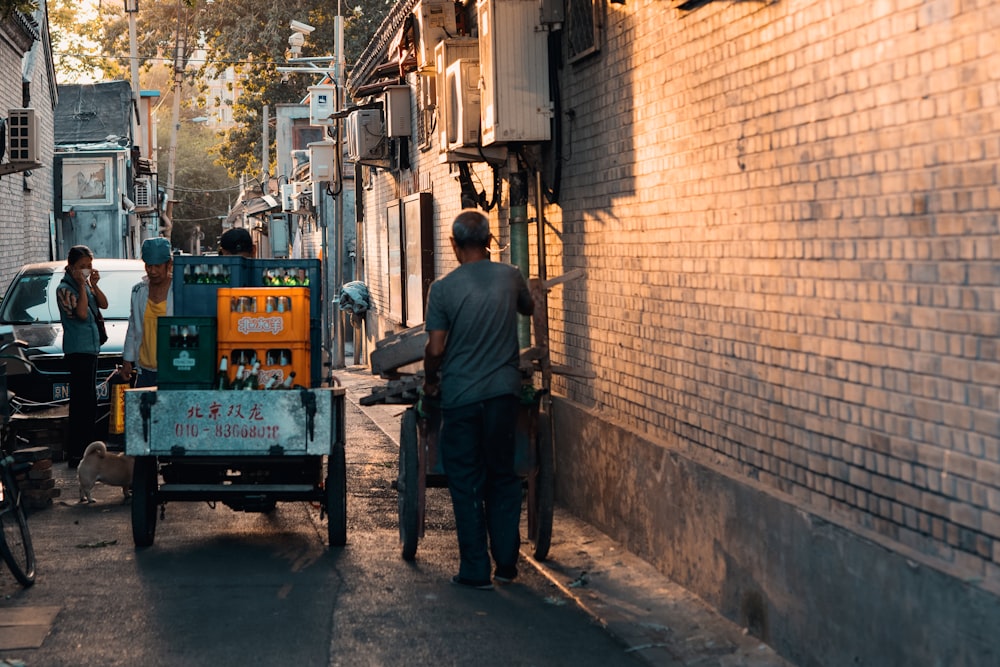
x=277 y=360
x=263 y=315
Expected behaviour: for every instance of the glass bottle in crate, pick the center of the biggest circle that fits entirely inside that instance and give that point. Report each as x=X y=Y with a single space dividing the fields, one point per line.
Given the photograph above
x=222 y=381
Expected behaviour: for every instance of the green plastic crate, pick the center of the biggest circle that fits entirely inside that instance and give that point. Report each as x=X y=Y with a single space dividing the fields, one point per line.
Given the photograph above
x=185 y=352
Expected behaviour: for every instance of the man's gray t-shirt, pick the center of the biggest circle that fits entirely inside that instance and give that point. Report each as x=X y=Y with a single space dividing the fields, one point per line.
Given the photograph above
x=477 y=304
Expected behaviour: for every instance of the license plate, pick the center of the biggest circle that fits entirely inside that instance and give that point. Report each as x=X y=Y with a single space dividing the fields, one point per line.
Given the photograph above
x=60 y=391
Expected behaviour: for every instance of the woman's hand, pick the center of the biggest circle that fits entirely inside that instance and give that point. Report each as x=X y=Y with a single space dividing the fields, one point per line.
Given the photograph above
x=95 y=276
x=81 y=276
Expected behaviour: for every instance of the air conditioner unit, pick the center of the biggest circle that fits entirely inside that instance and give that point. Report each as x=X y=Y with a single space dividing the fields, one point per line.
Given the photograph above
x=436 y=21
x=22 y=135
x=366 y=136
x=513 y=58
x=462 y=105
x=445 y=53
x=145 y=197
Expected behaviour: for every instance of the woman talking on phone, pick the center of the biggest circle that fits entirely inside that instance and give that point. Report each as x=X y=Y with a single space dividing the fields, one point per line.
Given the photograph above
x=80 y=299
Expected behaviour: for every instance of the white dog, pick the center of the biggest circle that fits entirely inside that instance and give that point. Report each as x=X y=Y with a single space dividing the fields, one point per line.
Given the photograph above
x=98 y=465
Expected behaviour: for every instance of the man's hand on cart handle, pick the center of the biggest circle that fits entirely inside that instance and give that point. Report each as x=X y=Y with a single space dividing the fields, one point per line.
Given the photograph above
x=126 y=370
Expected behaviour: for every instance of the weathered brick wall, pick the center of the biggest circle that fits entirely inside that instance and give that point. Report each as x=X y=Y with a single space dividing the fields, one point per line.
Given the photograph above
x=25 y=200
x=788 y=217
x=787 y=214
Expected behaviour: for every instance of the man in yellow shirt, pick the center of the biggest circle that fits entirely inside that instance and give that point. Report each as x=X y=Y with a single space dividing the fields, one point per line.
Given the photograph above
x=151 y=298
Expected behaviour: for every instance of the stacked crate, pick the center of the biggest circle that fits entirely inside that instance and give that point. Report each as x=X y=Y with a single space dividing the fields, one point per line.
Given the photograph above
x=198 y=280
x=185 y=352
x=269 y=326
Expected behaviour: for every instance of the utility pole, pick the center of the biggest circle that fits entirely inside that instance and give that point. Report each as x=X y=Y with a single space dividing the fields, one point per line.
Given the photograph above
x=179 y=61
x=338 y=251
x=265 y=162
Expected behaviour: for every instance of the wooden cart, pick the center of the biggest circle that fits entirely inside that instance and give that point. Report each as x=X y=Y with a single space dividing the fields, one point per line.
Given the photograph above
x=419 y=469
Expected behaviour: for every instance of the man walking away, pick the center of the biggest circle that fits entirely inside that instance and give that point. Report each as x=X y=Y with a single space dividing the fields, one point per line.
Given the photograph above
x=471 y=362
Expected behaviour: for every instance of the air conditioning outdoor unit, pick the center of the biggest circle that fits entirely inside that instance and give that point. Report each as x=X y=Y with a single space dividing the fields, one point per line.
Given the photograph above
x=513 y=57
x=445 y=53
x=462 y=106
x=145 y=195
x=436 y=20
x=22 y=135
x=366 y=136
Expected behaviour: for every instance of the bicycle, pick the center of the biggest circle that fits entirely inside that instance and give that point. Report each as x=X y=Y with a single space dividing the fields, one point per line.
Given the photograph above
x=15 y=539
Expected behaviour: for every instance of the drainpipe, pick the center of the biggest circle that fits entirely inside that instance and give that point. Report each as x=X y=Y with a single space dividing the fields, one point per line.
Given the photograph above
x=519 y=241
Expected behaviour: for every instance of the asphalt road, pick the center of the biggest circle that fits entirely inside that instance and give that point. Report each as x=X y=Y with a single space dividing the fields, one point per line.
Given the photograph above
x=224 y=588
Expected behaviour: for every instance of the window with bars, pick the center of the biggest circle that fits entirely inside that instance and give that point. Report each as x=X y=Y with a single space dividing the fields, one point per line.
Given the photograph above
x=583 y=27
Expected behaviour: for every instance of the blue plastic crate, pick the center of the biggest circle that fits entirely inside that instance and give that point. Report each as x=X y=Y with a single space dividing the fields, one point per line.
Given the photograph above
x=197 y=277
x=290 y=273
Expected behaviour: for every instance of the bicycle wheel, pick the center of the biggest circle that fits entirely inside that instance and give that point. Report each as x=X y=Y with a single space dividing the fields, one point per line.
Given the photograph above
x=15 y=544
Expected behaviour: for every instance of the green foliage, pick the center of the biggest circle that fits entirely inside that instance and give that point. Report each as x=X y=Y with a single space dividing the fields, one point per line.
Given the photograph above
x=248 y=35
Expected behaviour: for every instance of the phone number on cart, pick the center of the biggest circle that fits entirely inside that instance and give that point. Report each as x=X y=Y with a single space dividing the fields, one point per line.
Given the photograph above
x=265 y=431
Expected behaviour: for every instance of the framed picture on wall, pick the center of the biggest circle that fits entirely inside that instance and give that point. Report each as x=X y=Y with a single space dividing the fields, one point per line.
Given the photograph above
x=87 y=181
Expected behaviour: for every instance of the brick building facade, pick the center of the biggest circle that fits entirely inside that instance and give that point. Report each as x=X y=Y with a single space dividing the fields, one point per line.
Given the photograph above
x=787 y=215
x=27 y=79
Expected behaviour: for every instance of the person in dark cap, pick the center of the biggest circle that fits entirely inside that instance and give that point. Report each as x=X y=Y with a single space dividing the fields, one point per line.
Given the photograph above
x=236 y=241
x=151 y=298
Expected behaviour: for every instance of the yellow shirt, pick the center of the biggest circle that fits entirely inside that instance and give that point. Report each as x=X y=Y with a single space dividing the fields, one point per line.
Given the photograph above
x=147 y=350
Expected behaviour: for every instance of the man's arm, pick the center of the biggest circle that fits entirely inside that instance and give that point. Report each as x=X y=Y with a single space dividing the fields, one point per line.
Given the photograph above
x=525 y=296
x=433 y=356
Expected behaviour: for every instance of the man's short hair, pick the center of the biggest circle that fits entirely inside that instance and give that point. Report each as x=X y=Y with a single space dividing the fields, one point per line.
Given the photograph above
x=471 y=229
x=236 y=241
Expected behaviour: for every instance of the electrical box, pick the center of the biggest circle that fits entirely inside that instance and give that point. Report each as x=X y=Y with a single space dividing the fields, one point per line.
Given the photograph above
x=513 y=59
x=366 y=136
x=22 y=135
x=397 y=111
x=277 y=232
x=436 y=21
x=462 y=106
x=322 y=104
x=322 y=161
x=287 y=196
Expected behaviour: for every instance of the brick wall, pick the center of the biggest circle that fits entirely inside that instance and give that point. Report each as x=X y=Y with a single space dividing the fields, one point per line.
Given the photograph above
x=25 y=200
x=803 y=197
x=787 y=215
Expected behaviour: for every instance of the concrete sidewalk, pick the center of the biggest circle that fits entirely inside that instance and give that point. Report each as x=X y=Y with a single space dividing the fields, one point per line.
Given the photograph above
x=655 y=618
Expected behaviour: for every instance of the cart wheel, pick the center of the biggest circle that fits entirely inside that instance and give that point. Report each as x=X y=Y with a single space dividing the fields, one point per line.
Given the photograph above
x=144 y=501
x=408 y=485
x=541 y=489
x=336 y=496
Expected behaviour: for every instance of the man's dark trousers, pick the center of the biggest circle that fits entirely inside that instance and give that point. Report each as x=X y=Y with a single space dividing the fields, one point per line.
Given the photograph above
x=477 y=447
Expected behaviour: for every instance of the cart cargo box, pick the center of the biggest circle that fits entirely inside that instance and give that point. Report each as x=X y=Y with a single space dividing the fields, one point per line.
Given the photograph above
x=231 y=423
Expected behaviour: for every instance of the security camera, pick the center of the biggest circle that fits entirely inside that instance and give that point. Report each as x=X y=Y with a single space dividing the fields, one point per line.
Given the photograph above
x=303 y=28
x=128 y=204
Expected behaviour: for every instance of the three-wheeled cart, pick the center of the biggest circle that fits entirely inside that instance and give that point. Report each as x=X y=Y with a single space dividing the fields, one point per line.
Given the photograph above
x=247 y=449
